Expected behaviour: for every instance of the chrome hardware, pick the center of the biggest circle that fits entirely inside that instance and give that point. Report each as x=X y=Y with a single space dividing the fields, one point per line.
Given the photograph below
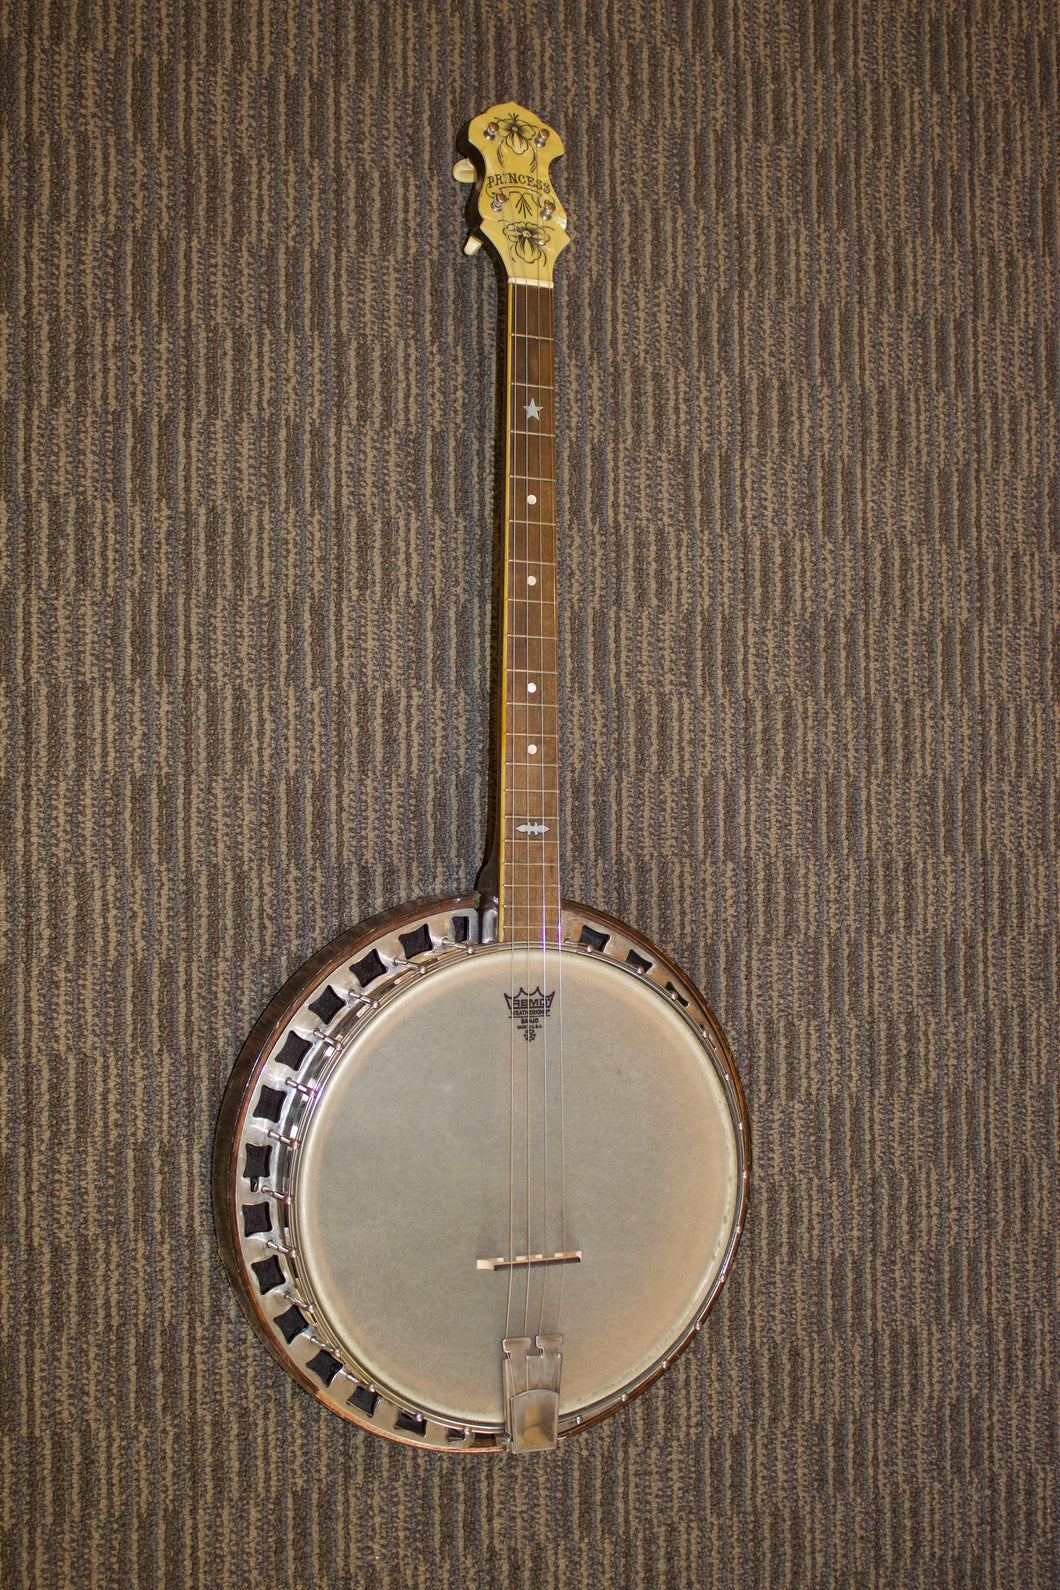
x=531 y=1392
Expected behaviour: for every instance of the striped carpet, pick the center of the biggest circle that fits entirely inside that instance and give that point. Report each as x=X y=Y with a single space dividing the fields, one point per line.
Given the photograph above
x=809 y=356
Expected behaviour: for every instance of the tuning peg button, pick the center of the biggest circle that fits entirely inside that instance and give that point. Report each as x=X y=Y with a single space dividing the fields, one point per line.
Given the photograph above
x=464 y=171
x=473 y=244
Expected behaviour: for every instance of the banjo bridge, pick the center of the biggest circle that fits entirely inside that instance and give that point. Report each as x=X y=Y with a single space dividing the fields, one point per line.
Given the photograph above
x=531 y=1391
x=527 y=1259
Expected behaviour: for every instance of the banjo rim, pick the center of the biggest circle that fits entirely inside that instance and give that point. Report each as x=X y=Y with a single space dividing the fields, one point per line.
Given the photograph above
x=260 y=1046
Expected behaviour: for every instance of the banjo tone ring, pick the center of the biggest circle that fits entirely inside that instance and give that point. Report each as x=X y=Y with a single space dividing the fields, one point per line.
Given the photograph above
x=280 y=1075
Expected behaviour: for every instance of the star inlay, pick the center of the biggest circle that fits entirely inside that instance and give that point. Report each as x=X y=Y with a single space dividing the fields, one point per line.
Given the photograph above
x=531 y=410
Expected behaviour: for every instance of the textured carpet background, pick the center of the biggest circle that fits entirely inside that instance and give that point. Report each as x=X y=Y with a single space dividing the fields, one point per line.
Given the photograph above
x=809 y=357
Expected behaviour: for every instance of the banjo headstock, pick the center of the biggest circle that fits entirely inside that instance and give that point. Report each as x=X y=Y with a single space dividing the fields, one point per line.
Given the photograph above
x=519 y=212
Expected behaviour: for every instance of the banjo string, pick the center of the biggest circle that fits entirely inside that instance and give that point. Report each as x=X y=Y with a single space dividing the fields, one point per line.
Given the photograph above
x=549 y=892
x=559 y=830
x=510 y=753
x=543 y=859
x=528 y=842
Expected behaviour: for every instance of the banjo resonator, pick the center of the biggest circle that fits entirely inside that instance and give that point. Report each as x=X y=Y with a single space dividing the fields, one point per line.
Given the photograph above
x=482 y=1165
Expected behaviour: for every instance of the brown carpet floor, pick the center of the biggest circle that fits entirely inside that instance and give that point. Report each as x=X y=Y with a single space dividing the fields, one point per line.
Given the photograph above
x=808 y=472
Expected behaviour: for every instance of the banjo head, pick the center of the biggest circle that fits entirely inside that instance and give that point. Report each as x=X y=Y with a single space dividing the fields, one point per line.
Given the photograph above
x=373 y=1250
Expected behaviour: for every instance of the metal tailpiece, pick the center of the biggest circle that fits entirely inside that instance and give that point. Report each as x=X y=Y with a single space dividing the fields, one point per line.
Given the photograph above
x=531 y=1392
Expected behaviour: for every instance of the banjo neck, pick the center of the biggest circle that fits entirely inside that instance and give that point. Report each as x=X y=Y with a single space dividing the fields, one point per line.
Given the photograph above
x=522 y=218
x=529 y=861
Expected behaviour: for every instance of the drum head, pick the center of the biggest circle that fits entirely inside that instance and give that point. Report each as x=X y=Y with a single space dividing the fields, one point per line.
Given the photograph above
x=416 y=1162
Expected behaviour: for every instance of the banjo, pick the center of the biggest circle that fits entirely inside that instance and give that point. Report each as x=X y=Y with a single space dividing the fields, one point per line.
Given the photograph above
x=481 y=1167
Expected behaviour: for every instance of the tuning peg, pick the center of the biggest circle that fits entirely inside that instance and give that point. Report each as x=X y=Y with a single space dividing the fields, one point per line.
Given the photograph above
x=464 y=171
x=473 y=244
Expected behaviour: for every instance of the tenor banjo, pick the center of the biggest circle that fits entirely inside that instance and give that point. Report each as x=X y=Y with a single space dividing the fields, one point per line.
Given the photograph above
x=482 y=1165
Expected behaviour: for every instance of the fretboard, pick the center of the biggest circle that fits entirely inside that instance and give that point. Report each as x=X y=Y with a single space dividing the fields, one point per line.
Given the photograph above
x=529 y=858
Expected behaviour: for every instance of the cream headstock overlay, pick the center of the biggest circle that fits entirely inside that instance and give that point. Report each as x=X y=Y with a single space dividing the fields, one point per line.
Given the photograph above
x=518 y=209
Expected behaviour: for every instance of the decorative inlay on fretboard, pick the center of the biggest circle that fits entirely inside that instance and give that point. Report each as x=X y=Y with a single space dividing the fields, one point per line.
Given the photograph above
x=529 y=881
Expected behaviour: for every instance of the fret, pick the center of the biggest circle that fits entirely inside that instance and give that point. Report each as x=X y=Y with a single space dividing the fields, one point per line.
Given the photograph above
x=526 y=723
x=531 y=654
x=545 y=635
